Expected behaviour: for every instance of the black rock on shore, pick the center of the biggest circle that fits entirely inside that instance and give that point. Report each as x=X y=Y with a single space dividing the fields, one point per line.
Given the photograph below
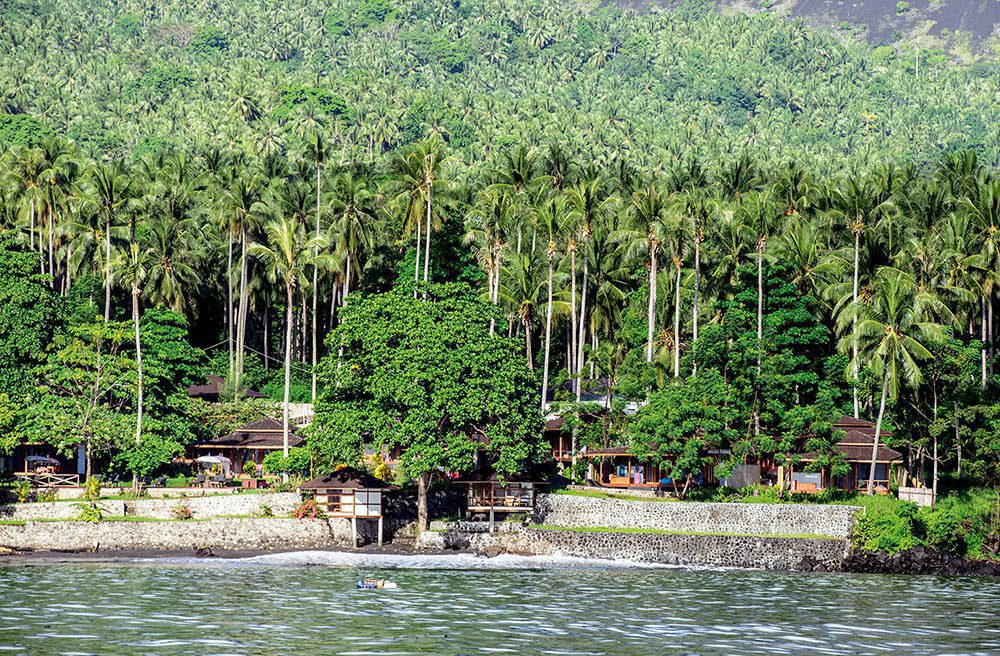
x=919 y=560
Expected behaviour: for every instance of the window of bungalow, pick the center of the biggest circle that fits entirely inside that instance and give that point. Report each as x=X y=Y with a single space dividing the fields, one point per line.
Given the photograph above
x=881 y=472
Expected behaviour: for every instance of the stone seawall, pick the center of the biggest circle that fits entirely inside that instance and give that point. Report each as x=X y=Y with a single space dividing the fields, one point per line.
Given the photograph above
x=224 y=533
x=730 y=518
x=277 y=503
x=747 y=552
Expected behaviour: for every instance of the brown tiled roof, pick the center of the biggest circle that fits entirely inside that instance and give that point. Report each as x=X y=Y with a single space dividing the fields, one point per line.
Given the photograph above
x=554 y=424
x=210 y=391
x=606 y=451
x=492 y=477
x=260 y=434
x=861 y=453
x=346 y=478
x=854 y=424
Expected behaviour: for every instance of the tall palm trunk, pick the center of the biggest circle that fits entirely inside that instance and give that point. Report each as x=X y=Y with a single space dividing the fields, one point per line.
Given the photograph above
x=526 y=322
x=347 y=280
x=677 y=318
x=107 y=269
x=241 y=318
x=416 y=265
x=138 y=364
x=854 y=324
x=494 y=274
x=548 y=336
x=761 y=245
x=315 y=282
x=878 y=432
x=229 y=306
x=571 y=343
x=651 y=314
x=982 y=312
x=427 y=245
x=52 y=247
x=31 y=218
x=694 y=312
x=289 y=319
x=581 y=325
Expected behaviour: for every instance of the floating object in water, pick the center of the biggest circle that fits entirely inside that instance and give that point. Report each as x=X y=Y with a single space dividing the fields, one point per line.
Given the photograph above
x=373 y=584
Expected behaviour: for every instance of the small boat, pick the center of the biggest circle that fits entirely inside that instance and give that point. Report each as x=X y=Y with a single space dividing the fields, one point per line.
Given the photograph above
x=375 y=584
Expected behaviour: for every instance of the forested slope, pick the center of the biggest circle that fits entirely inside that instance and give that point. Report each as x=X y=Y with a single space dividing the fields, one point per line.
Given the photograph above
x=646 y=88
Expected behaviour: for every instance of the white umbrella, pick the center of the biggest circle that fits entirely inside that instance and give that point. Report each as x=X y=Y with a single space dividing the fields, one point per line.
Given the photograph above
x=226 y=463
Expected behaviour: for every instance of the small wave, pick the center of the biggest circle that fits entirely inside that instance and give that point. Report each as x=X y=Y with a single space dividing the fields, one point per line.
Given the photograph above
x=361 y=560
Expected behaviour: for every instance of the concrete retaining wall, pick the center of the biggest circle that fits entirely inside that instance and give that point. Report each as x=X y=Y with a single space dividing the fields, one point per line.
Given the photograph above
x=683 y=550
x=279 y=503
x=235 y=534
x=730 y=518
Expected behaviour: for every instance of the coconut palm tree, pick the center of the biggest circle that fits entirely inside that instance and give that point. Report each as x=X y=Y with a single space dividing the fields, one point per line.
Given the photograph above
x=550 y=213
x=890 y=331
x=645 y=233
x=130 y=269
x=111 y=191
x=589 y=204
x=286 y=256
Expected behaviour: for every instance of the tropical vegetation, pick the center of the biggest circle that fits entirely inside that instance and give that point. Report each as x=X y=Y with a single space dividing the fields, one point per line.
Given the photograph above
x=727 y=229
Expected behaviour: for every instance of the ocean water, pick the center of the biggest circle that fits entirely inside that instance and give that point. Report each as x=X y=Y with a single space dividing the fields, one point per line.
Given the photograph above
x=306 y=603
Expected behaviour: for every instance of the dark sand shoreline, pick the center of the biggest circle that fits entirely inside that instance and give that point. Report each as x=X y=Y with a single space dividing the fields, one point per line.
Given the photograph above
x=40 y=557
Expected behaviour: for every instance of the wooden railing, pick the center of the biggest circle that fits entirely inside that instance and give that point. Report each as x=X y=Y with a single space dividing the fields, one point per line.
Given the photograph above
x=47 y=479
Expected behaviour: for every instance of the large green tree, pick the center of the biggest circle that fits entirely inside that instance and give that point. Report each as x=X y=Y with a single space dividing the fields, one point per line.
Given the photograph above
x=426 y=377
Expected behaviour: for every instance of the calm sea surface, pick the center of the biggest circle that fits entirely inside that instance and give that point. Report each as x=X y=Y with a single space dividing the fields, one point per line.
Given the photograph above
x=279 y=605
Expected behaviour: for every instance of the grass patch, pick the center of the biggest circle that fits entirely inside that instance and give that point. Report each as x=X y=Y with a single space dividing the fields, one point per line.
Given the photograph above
x=597 y=494
x=658 y=531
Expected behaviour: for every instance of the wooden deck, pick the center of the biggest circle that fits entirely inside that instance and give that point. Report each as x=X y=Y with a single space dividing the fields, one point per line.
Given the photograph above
x=47 y=479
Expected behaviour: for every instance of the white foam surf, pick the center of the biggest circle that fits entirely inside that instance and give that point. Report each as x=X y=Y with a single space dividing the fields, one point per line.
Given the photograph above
x=363 y=560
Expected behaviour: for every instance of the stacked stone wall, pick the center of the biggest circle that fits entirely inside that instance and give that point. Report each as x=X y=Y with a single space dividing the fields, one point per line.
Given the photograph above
x=278 y=503
x=223 y=533
x=568 y=510
x=746 y=552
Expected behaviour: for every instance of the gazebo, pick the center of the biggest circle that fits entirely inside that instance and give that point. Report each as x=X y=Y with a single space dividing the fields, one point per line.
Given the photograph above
x=351 y=494
x=488 y=493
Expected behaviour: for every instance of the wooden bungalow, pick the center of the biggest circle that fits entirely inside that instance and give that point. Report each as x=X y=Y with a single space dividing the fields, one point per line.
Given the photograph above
x=213 y=389
x=351 y=494
x=250 y=443
x=856 y=446
x=559 y=440
x=487 y=494
x=43 y=466
x=617 y=467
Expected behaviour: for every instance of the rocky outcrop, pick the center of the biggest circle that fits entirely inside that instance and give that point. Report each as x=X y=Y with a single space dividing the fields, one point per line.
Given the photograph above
x=919 y=560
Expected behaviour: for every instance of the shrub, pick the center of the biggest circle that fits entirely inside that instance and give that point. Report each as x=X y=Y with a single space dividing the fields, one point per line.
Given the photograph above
x=182 y=511
x=92 y=489
x=22 y=488
x=943 y=530
x=45 y=495
x=297 y=462
x=887 y=527
x=90 y=512
x=264 y=510
x=309 y=509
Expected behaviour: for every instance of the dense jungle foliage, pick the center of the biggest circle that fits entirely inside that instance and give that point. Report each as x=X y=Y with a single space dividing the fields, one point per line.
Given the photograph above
x=740 y=226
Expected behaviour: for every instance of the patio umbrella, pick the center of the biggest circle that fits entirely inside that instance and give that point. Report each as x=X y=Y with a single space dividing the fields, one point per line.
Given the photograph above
x=225 y=462
x=43 y=460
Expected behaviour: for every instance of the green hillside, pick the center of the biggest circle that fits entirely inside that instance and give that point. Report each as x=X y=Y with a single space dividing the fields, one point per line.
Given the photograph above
x=644 y=88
